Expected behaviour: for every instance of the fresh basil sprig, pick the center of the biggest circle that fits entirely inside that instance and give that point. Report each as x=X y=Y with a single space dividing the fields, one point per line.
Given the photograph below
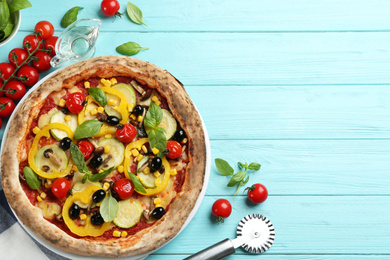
x=70 y=16
x=78 y=158
x=16 y=5
x=31 y=178
x=100 y=176
x=87 y=129
x=137 y=184
x=109 y=208
x=98 y=95
x=238 y=178
x=134 y=13
x=156 y=136
x=130 y=48
x=153 y=116
x=7 y=8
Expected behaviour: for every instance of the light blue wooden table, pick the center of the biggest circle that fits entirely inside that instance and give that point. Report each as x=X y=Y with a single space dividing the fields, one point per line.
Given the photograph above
x=302 y=87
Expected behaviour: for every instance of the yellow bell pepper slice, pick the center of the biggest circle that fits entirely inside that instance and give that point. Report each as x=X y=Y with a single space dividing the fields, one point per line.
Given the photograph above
x=88 y=229
x=34 y=147
x=122 y=107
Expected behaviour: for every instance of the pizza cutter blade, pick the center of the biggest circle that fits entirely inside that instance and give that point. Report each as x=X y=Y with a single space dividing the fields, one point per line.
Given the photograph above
x=255 y=234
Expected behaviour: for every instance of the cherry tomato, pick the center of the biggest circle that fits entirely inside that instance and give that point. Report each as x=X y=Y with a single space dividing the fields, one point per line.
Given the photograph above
x=124 y=188
x=15 y=90
x=86 y=149
x=126 y=134
x=174 y=149
x=45 y=29
x=221 y=209
x=6 y=70
x=28 y=75
x=60 y=187
x=257 y=193
x=31 y=41
x=17 y=56
x=50 y=44
x=75 y=102
x=7 y=106
x=41 y=61
x=110 y=7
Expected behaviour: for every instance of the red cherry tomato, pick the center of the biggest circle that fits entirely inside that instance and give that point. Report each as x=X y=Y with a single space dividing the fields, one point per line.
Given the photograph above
x=86 y=149
x=75 y=102
x=6 y=70
x=124 y=188
x=45 y=29
x=50 y=44
x=221 y=209
x=110 y=7
x=15 y=90
x=31 y=41
x=1 y=92
x=41 y=61
x=60 y=187
x=174 y=149
x=7 y=106
x=257 y=193
x=126 y=134
x=17 y=56
x=28 y=75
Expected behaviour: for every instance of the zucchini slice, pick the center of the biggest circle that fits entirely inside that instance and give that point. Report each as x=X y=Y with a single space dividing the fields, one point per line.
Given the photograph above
x=59 y=117
x=117 y=152
x=129 y=213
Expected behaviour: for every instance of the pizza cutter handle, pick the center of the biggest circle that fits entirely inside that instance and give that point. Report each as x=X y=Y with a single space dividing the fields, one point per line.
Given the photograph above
x=215 y=252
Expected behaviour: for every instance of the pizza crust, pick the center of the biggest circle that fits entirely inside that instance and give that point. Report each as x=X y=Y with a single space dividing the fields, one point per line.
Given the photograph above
x=182 y=109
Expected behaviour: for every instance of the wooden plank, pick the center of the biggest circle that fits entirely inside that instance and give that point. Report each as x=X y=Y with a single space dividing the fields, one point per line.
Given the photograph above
x=230 y=15
x=307 y=225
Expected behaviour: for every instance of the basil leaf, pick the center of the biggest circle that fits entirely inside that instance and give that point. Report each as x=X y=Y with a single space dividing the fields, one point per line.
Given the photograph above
x=157 y=140
x=153 y=116
x=109 y=208
x=98 y=95
x=31 y=178
x=17 y=5
x=7 y=30
x=70 y=16
x=134 y=13
x=100 y=176
x=130 y=48
x=4 y=14
x=254 y=166
x=239 y=176
x=87 y=129
x=245 y=181
x=137 y=184
x=85 y=177
x=78 y=158
x=223 y=167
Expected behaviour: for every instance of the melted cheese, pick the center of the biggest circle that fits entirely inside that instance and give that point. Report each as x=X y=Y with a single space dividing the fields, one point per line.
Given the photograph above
x=49 y=209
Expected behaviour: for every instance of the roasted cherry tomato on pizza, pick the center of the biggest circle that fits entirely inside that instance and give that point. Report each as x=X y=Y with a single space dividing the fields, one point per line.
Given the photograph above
x=174 y=149
x=124 y=188
x=15 y=90
x=75 y=102
x=17 y=56
x=28 y=75
x=86 y=149
x=257 y=193
x=126 y=134
x=110 y=7
x=221 y=209
x=7 y=106
x=6 y=70
x=45 y=29
x=60 y=187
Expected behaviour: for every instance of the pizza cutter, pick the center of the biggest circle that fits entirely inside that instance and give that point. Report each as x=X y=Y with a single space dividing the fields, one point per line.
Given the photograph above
x=255 y=234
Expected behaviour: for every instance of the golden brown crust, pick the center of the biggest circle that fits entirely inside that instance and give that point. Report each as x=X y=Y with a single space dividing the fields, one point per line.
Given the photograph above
x=183 y=110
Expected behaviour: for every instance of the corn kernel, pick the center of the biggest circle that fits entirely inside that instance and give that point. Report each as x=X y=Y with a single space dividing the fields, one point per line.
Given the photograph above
x=158 y=103
x=173 y=172
x=155 y=150
x=146 y=170
x=113 y=81
x=116 y=233
x=100 y=109
x=130 y=107
x=67 y=118
x=74 y=168
x=139 y=158
x=185 y=140
x=47 y=185
x=124 y=234
x=108 y=136
x=155 y=99
x=156 y=174
x=101 y=170
x=157 y=201
x=106 y=186
x=83 y=217
x=43 y=195
x=144 y=149
x=105 y=82
x=139 y=118
x=112 y=102
x=157 y=182
x=135 y=152
x=140 y=179
x=62 y=103
x=39 y=198
x=36 y=130
x=87 y=84
x=106 y=149
x=121 y=169
x=98 y=204
x=94 y=112
x=158 y=206
x=133 y=117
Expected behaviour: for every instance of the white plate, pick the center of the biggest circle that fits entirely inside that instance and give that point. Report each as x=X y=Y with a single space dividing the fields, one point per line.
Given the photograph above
x=142 y=256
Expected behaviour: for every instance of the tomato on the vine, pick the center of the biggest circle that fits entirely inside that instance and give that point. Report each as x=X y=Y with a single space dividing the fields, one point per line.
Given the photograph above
x=174 y=149
x=41 y=61
x=50 y=44
x=60 y=187
x=86 y=149
x=110 y=7
x=17 y=56
x=7 y=106
x=28 y=75
x=124 y=188
x=75 y=102
x=257 y=193
x=45 y=29
x=126 y=134
x=31 y=41
x=15 y=90
x=221 y=209
x=1 y=92
x=6 y=70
